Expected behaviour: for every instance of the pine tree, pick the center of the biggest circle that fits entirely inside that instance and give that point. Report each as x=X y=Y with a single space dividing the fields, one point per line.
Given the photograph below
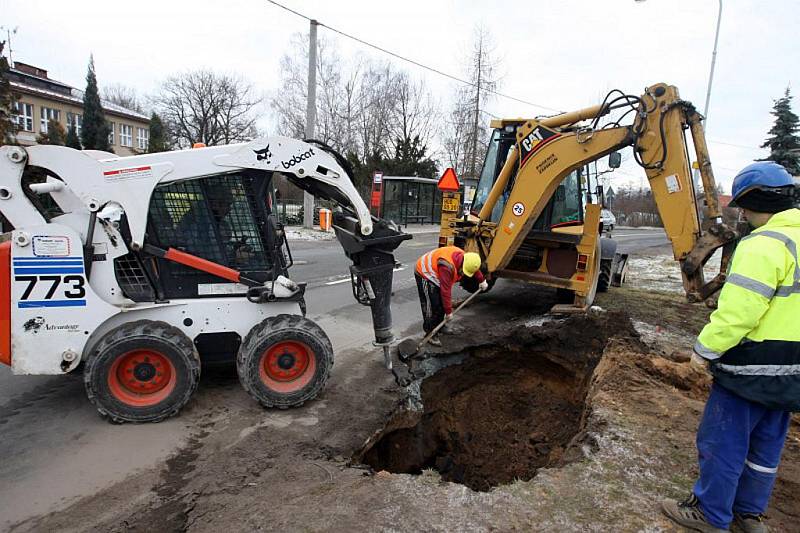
x=6 y=99
x=55 y=134
x=73 y=141
x=95 y=129
x=783 y=141
x=158 y=136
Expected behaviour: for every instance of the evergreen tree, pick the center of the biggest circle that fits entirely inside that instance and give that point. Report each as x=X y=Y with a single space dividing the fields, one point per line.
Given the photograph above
x=73 y=141
x=6 y=99
x=95 y=129
x=410 y=159
x=55 y=134
x=158 y=136
x=783 y=141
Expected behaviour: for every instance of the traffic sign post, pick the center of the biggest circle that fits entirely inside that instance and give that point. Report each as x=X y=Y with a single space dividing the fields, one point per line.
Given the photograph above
x=451 y=205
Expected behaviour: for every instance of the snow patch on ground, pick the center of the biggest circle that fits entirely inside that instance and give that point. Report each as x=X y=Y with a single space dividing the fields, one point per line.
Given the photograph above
x=673 y=343
x=297 y=233
x=662 y=272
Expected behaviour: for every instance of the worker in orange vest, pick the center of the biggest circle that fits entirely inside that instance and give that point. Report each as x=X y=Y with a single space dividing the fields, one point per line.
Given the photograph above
x=436 y=273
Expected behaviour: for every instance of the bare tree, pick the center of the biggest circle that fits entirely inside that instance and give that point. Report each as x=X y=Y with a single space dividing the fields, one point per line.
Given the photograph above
x=204 y=106
x=466 y=119
x=364 y=108
x=124 y=96
x=289 y=102
x=414 y=112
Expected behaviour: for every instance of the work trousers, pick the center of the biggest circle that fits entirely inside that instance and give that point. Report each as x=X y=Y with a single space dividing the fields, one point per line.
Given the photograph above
x=739 y=445
x=430 y=299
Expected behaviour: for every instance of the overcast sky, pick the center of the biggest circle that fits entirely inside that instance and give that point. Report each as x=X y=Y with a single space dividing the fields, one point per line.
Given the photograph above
x=563 y=54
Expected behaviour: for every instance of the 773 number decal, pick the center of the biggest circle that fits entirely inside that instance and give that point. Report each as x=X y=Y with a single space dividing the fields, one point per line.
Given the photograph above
x=74 y=286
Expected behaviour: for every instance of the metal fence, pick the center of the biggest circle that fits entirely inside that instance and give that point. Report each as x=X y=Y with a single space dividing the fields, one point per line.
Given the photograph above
x=290 y=211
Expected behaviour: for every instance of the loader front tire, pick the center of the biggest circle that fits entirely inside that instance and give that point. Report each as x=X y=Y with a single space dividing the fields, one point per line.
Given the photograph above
x=604 y=281
x=144 y=371
x=284 y=361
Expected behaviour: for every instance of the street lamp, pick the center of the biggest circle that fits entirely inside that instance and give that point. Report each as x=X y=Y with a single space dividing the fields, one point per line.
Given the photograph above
x=713 y=62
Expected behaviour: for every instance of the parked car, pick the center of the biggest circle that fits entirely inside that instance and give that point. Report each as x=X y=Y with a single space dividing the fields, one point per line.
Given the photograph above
x=608 y=219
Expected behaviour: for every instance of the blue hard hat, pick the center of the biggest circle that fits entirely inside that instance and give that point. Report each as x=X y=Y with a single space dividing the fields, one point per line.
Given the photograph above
x=764 y=175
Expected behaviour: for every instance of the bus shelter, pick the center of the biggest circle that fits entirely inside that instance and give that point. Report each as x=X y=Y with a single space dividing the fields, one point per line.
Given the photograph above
x=407 y=200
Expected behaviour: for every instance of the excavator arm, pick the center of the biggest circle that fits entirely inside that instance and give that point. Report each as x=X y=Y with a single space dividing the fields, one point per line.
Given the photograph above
x=547 y=150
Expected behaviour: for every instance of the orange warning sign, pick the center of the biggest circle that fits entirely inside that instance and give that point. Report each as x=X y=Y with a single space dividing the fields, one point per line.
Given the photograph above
x=449 y=181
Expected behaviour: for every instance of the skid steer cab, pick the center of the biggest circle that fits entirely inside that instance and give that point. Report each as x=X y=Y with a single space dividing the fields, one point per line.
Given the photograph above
x=136 y=268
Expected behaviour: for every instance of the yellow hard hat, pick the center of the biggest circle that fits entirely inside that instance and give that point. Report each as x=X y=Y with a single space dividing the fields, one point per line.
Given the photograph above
x=472 y=262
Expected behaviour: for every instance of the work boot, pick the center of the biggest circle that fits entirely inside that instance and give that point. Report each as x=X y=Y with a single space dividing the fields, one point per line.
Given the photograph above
x=749 y=523
x=688 y=514
x=434 y=341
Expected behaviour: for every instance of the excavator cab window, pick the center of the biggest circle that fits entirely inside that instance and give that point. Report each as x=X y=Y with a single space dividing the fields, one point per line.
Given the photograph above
x=565 y=208
x=496 y=155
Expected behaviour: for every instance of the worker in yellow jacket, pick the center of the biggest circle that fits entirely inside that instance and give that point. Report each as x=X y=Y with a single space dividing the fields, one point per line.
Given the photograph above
x=752 y=348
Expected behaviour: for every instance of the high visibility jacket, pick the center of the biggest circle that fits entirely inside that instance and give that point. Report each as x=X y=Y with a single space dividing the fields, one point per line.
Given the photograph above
x=753 y=338
x=442 y=267
x=428 y=265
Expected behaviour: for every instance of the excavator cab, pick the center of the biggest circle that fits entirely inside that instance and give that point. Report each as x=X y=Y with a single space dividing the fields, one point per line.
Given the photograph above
x=566 y=206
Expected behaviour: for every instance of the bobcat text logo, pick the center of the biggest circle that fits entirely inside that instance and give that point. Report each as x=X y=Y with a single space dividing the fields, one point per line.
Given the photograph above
x=297 y=158
x=263 y=154
x=532 y=140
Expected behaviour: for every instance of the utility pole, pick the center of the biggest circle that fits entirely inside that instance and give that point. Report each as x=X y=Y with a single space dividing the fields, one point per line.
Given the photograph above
x=311 y=115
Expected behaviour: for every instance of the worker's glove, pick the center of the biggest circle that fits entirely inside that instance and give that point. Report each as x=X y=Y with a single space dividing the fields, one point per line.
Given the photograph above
x=448 y=317
x=484 y=286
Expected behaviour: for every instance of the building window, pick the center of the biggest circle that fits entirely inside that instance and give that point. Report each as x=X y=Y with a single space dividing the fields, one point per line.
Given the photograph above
x=75 y=121
x=48 y=114
x=125 y=135
x=111 y=127
x=23 y=114
x=142 y=138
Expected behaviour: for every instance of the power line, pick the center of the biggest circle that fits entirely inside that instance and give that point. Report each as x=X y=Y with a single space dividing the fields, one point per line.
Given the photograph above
x=735 y=145
x=445 y=74
x=407 y=60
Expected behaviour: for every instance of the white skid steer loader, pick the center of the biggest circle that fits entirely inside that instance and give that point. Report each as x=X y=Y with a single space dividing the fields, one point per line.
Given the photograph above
x=136 y=266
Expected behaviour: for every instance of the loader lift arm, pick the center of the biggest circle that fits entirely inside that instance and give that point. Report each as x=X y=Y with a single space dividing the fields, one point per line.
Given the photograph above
x=546 y=150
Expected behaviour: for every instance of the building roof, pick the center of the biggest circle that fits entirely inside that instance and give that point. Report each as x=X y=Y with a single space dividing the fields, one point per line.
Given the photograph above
x=33 y=80
x=724 y=199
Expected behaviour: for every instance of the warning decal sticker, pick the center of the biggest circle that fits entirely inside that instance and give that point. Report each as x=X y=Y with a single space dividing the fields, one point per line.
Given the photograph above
x=133 y=173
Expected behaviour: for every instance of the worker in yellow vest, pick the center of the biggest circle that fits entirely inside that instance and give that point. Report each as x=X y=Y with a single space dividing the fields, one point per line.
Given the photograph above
x=436 y=273
x=752 y=348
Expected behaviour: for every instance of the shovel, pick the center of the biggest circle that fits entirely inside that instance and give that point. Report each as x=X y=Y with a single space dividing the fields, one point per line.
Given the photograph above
x=409 y=347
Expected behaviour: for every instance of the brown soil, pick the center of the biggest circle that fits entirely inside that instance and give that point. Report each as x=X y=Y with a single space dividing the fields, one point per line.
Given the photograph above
x=504 y=413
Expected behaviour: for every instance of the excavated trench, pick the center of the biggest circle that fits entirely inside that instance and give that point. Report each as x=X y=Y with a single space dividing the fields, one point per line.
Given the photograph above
x=512 y=404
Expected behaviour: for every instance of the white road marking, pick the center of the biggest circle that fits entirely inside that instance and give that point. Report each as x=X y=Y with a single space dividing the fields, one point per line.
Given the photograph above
x=344 y=280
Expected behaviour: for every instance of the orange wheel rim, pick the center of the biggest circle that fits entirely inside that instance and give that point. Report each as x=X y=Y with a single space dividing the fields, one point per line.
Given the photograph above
x=287 y=366
x=142 y=378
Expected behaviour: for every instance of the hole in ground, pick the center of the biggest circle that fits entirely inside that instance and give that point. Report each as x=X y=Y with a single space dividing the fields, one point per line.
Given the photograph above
x=509 y=409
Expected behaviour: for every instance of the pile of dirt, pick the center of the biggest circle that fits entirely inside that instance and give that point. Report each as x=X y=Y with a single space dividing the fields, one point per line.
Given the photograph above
x=516 y=404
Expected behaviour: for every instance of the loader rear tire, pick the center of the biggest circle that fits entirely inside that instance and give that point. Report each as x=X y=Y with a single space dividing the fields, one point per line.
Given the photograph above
x=144 y=371
x=604 y=281
x=284 y=361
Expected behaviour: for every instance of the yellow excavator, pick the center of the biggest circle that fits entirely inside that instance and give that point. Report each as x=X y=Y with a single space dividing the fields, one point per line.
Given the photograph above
x=534 y=215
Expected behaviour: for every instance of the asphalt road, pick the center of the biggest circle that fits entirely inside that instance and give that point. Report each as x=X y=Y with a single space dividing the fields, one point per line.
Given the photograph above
x=56 y=449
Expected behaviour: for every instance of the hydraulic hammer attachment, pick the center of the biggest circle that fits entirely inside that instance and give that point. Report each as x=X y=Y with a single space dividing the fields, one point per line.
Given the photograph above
x=371 y=272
